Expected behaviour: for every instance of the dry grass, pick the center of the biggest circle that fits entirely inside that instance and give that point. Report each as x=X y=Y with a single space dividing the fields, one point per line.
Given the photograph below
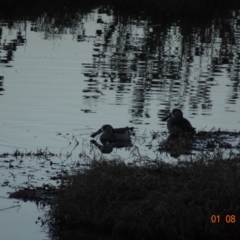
x=155 y=201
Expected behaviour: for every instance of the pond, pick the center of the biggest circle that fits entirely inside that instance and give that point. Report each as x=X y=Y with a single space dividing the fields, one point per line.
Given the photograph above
x=59 y=84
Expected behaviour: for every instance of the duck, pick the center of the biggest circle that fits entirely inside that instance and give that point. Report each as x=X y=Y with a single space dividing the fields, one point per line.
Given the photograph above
x=110 y=134
x=177 y=124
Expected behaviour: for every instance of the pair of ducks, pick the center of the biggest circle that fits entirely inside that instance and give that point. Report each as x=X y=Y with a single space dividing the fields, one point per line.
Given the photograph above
x=176 y=125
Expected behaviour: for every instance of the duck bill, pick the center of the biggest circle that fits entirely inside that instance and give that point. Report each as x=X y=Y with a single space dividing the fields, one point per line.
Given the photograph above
x=96 y=133
x=167 y=117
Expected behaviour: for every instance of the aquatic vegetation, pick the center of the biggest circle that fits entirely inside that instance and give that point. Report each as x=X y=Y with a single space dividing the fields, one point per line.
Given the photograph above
x=193 y=197
x=174 y=201
x=208 y=141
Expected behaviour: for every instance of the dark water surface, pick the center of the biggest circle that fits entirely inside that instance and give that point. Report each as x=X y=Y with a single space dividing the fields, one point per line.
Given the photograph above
x=59 y=83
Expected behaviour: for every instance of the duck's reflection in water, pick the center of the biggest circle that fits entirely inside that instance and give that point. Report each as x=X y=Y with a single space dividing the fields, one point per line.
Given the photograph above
x=108 y=147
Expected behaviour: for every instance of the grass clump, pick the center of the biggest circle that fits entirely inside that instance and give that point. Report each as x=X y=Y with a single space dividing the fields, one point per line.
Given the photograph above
x=153 y=201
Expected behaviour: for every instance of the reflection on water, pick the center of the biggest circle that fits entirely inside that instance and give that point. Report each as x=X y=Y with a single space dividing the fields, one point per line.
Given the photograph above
x=63 y=78
x=160 y=67
x=119 y=70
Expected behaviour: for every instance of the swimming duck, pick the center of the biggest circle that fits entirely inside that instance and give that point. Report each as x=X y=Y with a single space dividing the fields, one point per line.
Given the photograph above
x=110 y=134
x=177 y=124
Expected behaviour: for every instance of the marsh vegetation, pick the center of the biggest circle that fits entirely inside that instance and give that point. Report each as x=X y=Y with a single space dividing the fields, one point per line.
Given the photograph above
x=150 y=201
x=194 y=197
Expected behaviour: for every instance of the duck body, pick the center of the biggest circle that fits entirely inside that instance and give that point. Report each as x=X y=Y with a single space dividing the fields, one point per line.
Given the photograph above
x=110 y=134
x=177 y=124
